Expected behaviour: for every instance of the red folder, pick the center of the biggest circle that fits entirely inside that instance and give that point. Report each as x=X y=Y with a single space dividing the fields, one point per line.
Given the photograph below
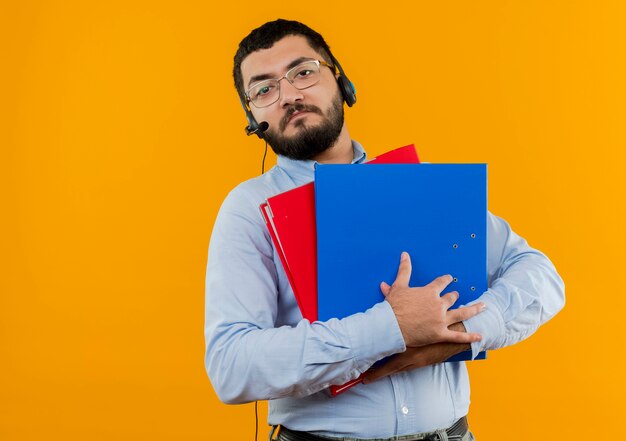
x=290 y=219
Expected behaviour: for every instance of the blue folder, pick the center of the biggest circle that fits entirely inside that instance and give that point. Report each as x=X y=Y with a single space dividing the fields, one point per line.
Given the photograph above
x=366 y=216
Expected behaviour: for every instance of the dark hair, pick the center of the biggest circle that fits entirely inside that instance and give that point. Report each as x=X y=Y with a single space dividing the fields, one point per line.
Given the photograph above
x=265 y=36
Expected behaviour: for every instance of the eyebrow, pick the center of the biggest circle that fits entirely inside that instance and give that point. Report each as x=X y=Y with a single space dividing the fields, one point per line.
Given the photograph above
x=291 y=65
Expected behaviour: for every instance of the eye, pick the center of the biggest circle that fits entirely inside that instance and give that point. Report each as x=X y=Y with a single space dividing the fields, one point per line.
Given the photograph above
x=261 y=90
x=304 y=73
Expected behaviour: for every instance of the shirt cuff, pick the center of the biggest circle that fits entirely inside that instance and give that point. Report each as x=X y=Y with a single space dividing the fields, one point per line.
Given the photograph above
x=376 y=335
x=489 y=323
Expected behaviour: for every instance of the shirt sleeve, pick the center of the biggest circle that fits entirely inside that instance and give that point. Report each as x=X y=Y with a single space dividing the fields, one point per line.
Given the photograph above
x=247 y=357
x=524 y=292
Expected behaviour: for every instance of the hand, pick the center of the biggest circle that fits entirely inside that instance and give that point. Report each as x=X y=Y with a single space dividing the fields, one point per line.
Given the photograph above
x=414 y=358
x=423 y=315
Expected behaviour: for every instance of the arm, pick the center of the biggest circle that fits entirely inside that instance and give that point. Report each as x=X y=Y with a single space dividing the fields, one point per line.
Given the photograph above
x=247 y=356
x=525 y=291
x=417 y=357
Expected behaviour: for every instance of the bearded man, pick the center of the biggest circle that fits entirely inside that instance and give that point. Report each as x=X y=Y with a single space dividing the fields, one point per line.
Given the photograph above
x=258 y=346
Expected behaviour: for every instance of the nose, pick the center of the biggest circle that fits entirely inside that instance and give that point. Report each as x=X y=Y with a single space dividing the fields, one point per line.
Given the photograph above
x=289 y=94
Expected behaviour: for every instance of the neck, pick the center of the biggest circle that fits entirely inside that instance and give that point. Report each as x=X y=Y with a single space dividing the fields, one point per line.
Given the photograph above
x=340 y=153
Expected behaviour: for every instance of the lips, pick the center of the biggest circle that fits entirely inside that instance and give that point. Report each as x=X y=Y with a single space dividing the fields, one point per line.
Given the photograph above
x=295 y=115
x=296 y=112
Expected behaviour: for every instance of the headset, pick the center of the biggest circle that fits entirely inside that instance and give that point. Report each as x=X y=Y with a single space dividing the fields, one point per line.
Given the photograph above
x=346 y=87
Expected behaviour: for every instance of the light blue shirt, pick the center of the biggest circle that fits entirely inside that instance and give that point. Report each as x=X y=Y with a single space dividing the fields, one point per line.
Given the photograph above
x=258 y=346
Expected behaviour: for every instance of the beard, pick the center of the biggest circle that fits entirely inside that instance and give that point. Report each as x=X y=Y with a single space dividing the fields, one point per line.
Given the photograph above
x=309 y=141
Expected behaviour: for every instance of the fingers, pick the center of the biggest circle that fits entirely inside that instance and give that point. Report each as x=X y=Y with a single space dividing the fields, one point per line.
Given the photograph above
x=440 y=283
x=404 y=270
x=466 y=312
x=461 y=337
x=450 y=298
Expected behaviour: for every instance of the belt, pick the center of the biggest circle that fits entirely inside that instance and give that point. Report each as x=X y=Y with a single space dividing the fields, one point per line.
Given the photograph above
x=454 y=432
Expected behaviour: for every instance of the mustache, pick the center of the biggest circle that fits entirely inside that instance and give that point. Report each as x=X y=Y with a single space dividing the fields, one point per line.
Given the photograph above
x=298 y=107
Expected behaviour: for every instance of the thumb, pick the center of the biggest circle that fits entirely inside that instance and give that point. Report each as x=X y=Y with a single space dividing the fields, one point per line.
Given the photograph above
x=384 y=288
x=404 y=270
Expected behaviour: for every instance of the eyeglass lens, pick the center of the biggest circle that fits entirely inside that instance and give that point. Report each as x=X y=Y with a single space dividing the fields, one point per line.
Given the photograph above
x=267 y=92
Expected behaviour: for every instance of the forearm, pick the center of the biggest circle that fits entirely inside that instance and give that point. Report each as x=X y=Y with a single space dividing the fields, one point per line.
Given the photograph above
x=247 y=364
x=249 y=354
x=419 y=357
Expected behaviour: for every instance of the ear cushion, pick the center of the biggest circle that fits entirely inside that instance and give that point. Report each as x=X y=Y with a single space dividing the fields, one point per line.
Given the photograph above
x=347 y=90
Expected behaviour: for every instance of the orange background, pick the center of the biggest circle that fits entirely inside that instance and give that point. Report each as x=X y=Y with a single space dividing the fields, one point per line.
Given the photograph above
x=120 y=135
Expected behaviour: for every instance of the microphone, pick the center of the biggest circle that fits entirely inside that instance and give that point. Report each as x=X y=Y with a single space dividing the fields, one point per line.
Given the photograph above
x=262 y=127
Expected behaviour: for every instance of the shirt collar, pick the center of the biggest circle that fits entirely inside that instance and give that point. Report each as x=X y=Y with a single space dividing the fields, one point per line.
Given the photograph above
x=303 y=171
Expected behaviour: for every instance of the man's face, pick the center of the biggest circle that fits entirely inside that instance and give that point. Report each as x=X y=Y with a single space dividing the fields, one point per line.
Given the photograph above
x=302 y=123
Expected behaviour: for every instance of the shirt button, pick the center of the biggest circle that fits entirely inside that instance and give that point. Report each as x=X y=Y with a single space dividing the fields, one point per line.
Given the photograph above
x=405 y=410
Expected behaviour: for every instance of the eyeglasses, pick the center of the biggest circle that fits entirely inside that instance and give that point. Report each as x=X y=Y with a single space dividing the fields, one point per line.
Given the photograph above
x=304 y=75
